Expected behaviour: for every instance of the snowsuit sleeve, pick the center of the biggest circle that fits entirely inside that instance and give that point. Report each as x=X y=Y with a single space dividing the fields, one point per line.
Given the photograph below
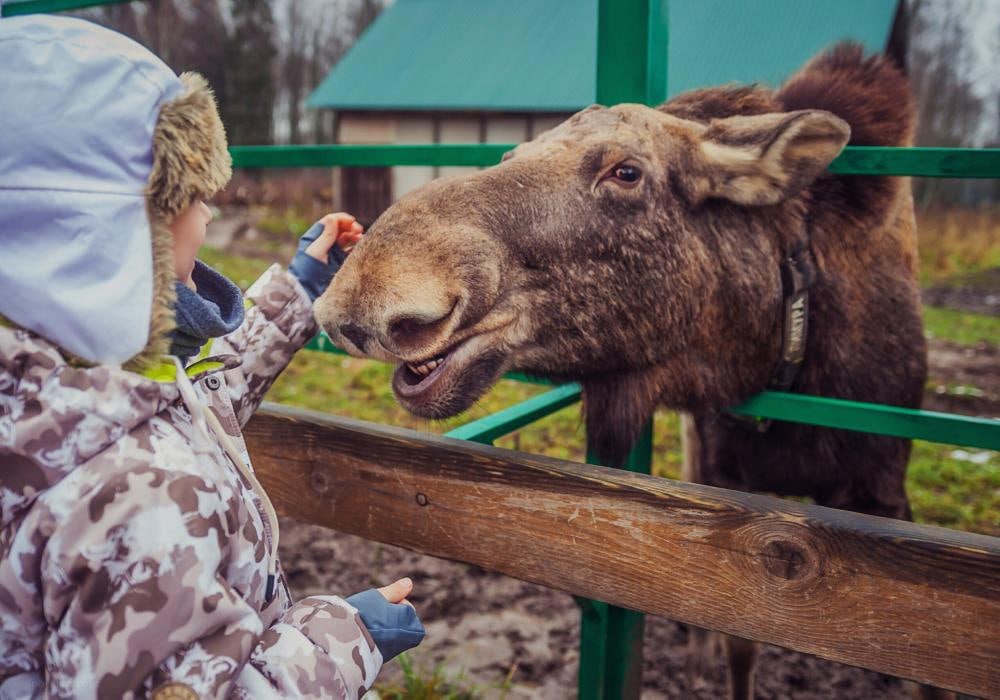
x=140 y=606
x=278 y=323
x=319 y=648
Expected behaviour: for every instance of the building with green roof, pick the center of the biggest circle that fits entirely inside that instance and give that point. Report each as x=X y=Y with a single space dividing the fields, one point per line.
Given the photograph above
x=502 y=71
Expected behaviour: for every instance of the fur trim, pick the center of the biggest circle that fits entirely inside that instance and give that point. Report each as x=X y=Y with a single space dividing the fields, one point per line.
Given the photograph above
x=190 y=157
x=190 y=161
x=162 y=319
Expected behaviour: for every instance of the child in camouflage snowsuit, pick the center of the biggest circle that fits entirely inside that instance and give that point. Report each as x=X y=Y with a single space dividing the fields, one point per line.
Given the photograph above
x=139 y=553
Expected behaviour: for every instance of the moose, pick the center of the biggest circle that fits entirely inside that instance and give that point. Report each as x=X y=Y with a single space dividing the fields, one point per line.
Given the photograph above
x=689 y=256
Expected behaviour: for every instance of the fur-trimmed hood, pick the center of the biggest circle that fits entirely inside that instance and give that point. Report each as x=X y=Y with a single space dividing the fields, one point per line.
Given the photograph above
x=101 y=145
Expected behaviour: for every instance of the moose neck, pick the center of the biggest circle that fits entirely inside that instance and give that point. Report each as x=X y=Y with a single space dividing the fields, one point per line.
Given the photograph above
x=713 y=373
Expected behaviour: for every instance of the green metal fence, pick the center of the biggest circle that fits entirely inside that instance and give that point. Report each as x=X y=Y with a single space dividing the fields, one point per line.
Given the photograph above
x=631 y=67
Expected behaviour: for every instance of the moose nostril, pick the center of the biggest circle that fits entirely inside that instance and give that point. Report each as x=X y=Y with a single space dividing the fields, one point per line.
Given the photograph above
x=355 y=333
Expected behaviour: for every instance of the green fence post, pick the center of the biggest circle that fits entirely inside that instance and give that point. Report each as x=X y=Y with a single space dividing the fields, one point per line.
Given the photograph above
x=631 y=67
x=631 y=51
x=611 y=637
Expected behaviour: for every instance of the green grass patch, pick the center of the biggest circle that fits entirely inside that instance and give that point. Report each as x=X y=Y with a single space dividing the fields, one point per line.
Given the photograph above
x=957 y=243
x=434 y=684
x=284 y=222
x=957 y=488
x=243 y=271
x=960 y=326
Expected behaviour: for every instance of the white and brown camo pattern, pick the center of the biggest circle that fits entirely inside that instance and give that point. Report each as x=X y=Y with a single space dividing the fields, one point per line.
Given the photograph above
x=132 y=554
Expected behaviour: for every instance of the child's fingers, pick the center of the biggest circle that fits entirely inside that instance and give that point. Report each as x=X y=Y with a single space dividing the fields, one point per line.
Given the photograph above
x=333 y=224
x=338 y=221
x=346 y=239
x=349 y=225
x=338 y=217
x=396 y=592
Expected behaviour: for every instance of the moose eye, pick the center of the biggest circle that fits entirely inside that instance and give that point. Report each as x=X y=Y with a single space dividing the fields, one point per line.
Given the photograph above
x=628 y=174
x=624 y=175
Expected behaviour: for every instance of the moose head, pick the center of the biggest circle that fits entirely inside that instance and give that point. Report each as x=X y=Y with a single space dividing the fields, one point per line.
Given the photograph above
x=633 y=249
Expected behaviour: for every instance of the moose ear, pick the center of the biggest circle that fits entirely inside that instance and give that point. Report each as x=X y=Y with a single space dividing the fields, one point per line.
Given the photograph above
x=763 y=159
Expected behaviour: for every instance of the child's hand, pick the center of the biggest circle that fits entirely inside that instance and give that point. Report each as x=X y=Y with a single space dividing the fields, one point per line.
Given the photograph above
x=397 y=592
x=391 y=621
x=322 y=250
x=338 y=229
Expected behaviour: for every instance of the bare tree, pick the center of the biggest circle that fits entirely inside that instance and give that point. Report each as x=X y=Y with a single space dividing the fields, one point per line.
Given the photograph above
x=250 y=89
x=949 y=108
x=295 y=51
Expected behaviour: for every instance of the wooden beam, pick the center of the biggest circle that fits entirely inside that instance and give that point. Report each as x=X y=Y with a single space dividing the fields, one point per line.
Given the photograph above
x=908 y=600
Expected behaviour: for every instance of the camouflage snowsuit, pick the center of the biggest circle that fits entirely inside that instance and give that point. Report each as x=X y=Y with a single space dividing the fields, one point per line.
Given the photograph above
x=134 y=554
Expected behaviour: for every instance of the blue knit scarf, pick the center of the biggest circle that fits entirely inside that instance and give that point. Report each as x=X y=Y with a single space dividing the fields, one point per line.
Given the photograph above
x=213 y=311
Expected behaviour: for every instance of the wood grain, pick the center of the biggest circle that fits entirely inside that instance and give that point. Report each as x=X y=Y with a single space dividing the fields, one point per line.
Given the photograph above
x=908 y=600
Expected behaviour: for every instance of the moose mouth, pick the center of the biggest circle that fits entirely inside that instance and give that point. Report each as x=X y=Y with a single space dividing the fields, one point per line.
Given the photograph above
x=411 y=380
x=449 y=382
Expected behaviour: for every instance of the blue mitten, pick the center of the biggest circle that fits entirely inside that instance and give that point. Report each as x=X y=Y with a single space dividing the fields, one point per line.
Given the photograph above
x=394 y=627
x=313 y=275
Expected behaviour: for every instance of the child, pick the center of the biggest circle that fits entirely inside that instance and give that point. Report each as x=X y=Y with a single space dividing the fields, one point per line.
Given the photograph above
x=139 y=553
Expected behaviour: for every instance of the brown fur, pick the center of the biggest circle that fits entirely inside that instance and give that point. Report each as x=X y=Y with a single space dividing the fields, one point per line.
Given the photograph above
x=667 y=290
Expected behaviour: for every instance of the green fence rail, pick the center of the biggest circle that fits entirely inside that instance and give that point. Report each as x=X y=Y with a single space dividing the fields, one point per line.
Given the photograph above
x=30 y=7
x=345 y=155
x=854 y=160
x=487 y=429
x=879 y=419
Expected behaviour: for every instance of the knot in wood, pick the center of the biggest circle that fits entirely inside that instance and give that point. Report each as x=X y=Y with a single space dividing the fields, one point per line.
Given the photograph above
x=422 y=499
x=320 y=482
x=786 y=559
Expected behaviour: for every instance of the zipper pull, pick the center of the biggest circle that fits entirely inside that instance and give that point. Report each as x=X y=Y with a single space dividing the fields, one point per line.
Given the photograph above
x=269 y=589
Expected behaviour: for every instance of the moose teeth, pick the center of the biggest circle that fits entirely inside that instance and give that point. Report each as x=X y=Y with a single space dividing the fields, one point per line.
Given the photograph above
x=427 y=367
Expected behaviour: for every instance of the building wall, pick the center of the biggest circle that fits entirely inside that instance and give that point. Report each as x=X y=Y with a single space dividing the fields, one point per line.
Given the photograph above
x=425 y=128
x=417 y=129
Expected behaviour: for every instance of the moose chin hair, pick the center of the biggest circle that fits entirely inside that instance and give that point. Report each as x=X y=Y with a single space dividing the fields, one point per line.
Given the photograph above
x=461 y=391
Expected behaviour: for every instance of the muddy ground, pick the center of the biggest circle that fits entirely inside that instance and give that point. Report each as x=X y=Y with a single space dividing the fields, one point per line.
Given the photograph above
x=483 y=625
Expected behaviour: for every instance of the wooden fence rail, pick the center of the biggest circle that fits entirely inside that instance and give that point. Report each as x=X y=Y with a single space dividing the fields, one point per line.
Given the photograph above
x=908 y=600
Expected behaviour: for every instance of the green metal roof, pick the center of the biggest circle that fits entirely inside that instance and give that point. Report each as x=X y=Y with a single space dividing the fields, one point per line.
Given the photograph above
x=538 y=55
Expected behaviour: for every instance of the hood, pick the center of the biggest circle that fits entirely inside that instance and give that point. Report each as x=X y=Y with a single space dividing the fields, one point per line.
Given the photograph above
x=101 y=145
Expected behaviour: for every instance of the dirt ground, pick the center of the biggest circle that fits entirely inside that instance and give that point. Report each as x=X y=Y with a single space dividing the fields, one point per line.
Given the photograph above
x=975 y=366
x=978 y=293
x=489 y=627
x=483 y=624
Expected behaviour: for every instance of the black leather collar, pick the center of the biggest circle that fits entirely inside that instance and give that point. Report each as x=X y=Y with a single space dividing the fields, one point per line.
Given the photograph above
x=798 y=272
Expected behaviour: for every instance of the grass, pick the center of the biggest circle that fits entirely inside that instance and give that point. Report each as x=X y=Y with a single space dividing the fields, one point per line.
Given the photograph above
x=433 y=684
x=961 y=327
x=956 y=488
x=242 y=271
x=957 y=243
